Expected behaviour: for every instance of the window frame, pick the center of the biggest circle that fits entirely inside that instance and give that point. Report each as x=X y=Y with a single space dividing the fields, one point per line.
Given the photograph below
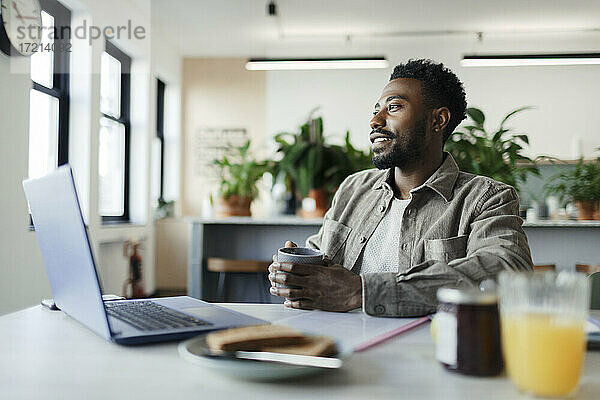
x=160 y=132
x=60 y=77
x=124 y=119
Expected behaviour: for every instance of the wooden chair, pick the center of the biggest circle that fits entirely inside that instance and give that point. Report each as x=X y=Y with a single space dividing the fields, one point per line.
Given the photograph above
x=224 y=267
x=545 y=267
x=595 y=284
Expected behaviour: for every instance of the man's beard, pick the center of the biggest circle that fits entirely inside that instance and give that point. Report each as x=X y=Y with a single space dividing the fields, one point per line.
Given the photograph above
x=408 y=149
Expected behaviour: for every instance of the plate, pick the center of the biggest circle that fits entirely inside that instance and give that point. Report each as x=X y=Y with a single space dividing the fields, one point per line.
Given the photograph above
x=195 y=349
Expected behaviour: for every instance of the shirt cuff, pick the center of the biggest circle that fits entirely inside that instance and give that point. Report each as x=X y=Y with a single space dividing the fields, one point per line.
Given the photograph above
x=379 y=294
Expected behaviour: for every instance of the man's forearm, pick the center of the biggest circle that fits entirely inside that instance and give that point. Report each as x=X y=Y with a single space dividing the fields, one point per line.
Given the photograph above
x=383 y=296
x=413 y=293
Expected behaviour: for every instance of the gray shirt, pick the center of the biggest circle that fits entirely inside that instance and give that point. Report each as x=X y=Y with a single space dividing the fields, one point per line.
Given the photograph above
x=458 y=230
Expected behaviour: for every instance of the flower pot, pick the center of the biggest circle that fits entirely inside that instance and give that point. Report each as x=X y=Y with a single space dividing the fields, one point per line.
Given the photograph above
x=235 y=205
x=319 y=204
x=587 y=210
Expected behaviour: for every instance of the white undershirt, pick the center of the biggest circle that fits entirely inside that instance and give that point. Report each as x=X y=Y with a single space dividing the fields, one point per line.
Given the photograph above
x=381 y=251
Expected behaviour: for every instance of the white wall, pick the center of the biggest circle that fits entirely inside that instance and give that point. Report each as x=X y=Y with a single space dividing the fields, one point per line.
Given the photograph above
x=345 y=98
x=23 y=280
x=21 y=269
x=566 y=97
x=218 y=93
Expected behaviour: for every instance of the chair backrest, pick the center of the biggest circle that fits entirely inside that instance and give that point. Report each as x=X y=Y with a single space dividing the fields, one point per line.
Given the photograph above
x=595 y=283
x=587 y=268
x=545 y=267
x=214 y=264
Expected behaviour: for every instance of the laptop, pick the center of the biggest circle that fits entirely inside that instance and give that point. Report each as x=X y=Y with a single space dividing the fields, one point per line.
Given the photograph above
x=71 y=269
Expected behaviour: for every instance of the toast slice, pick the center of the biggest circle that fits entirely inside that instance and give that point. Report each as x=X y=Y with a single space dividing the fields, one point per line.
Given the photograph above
x=254 y=338
x=320 y=346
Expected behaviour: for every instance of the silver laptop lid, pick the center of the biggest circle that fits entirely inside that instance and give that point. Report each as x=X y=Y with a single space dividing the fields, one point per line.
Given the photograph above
x=66 y=249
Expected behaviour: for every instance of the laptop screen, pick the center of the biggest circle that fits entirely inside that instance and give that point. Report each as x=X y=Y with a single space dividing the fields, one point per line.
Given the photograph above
x=66 y=249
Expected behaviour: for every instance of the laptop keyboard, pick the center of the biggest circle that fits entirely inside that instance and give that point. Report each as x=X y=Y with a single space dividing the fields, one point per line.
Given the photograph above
x=151 y=316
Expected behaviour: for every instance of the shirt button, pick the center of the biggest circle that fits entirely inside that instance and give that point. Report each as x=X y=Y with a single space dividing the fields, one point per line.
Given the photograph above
x=405 y=246
x=363 y=239
x=379 y=309
x=381 y=208
x=409 y=211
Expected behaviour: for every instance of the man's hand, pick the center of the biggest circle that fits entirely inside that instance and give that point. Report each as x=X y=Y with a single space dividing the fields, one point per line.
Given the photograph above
x=329 y=287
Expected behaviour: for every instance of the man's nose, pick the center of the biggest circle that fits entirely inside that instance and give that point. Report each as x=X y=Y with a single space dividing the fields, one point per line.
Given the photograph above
x=377 y=121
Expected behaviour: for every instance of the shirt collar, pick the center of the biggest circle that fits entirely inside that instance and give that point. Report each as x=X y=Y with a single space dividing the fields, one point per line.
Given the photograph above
x=441 y=181
x=384 y=179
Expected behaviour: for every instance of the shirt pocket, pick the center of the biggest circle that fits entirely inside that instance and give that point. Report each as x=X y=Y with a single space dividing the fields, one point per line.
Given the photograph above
x=335 y=235
x=446 y=250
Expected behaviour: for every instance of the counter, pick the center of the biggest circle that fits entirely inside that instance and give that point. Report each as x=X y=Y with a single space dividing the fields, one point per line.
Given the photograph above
x=563 y=243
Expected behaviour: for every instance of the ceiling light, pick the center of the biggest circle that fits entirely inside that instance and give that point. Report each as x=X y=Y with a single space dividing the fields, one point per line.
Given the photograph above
x=506 y=60
x=266 y=64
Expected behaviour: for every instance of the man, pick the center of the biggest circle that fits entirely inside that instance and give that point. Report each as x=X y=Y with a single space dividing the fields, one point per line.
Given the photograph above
x=396 y=234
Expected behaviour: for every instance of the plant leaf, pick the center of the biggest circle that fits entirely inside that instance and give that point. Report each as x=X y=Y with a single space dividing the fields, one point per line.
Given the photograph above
x=513 y=113
x=524 y=138
x=476 y=115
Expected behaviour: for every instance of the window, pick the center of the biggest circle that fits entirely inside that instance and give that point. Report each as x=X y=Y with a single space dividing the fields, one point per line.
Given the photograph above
x=114 y=135
x=49 y=95
x=158 y=148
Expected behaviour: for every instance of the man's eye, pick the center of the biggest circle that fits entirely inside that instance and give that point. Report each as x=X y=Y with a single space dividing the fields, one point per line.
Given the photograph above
x=393 y=106
x=375 y=112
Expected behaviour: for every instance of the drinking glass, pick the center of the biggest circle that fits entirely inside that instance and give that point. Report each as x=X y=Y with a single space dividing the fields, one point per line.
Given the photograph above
x=542 y=318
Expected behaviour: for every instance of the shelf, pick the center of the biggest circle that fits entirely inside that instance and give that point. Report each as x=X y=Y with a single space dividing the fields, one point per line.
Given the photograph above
x=280 y=220
x=559 y=162
x=291 y=220
x=561 y=224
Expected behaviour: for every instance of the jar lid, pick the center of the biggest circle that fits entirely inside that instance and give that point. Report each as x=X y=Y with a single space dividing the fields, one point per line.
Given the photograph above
x=466 y=296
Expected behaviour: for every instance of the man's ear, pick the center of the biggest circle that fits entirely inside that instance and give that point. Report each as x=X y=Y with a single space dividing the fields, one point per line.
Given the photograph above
x=440 y=119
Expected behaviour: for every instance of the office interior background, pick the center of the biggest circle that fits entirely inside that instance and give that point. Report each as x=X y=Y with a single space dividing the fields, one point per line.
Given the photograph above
x=188 y=74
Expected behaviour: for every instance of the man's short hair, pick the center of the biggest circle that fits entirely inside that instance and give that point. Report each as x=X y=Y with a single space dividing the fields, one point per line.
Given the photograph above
x=441 y=88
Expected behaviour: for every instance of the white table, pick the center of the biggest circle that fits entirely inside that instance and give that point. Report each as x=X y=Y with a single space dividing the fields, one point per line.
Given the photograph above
x=47 y=355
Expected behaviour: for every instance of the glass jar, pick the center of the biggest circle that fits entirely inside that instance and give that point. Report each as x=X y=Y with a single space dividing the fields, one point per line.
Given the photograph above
x=468 y=332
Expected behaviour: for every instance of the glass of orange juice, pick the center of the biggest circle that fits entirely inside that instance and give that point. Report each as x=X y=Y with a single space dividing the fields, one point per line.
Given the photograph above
x=542 y=317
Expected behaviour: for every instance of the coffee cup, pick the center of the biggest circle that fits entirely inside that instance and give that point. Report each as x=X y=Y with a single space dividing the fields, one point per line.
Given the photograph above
x=298 y=255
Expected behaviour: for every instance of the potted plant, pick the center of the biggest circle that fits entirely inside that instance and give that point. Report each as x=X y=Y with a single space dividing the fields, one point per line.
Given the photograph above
x=238 y=175
x=313 y=167
x=581 y=185
x=348 y=161
x=164 y=209
x=304 y=159
x=498 y=154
